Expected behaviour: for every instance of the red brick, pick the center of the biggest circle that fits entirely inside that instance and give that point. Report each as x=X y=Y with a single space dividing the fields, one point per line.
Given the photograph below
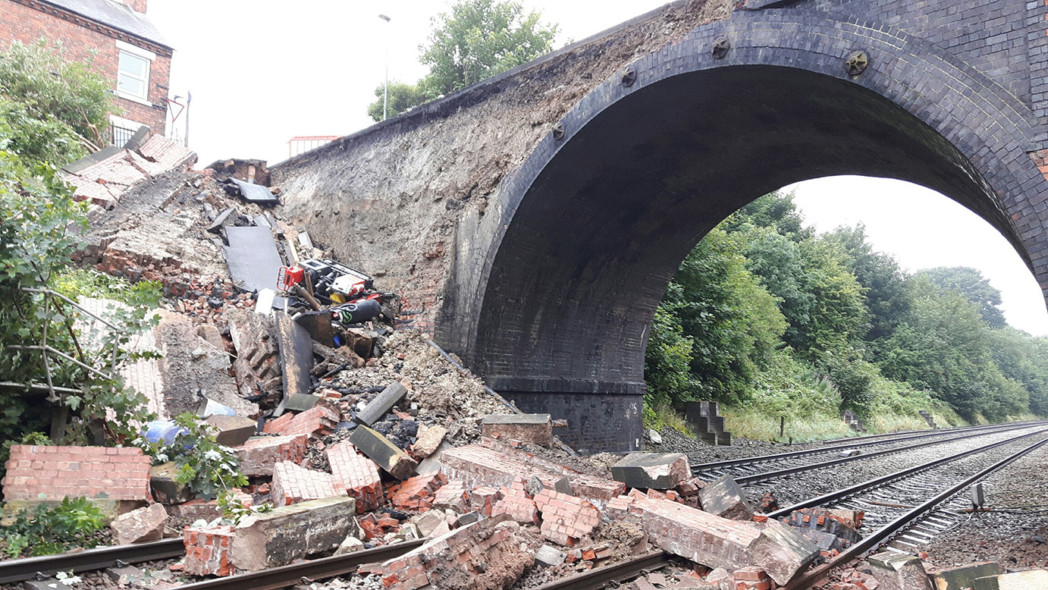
x=320 y=420
x=207 y=551
x=357 y=474
x=417 y=493
x=293 y=484
x=258 y=455
x=566 y=519
x=102 y=473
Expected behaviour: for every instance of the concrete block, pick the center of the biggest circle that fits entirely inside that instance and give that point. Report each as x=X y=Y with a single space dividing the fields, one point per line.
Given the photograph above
x=233 y=431
x=959 y=578
x=1014 y=581
x=384 y=453
x=300 y=402
x=549 y=556
x=429 y=440
x=723 y=497
x=660 y=471
x=782 y=551
x=164 y=487
x=382 y=404
x=535 y=429
x=287 y=533
x=140 y=526
x=899 y=571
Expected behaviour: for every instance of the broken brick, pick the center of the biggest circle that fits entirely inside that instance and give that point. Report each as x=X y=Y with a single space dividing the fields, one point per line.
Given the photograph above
x=483 y=500
x=566 y=519
x=208 y=550
x=321 y=420
x=453 y=496
x=258 y=455
x=357 y=474
x=417 y=493
x=293 y=484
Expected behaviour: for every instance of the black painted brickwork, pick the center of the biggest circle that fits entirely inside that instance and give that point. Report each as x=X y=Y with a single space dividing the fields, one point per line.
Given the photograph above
x=596 y=422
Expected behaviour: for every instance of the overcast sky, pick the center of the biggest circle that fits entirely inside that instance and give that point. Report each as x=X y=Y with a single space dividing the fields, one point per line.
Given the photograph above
x=264 y=71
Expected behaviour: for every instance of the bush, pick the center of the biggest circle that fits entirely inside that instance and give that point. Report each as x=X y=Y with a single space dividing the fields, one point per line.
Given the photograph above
x=53 y=529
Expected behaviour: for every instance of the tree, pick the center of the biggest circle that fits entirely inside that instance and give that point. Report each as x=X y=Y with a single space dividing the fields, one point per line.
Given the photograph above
x=401 y=97
x=479 y=39
x=970 y=283
x=51 y=89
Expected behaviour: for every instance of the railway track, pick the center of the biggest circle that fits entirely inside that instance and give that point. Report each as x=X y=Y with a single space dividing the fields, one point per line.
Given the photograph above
x=757 y=469
x=900 y=527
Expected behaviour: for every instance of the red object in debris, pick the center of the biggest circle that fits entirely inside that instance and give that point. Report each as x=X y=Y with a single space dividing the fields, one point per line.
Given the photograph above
x=289 y=276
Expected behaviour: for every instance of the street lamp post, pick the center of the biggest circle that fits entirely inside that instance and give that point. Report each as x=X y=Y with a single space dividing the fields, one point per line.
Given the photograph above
x=385 y=86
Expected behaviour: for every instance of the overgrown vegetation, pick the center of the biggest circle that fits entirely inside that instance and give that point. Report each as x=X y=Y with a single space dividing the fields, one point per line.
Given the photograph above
x=476 y=40
x=50 y=529
x=772 y=320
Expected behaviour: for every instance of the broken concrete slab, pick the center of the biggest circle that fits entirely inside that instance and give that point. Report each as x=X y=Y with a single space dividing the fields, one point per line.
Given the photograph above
x=233 y=431
x=223 y=218
x=528 y=428
x=276 y=538
x=255 y=193
x=296 y=358
x=723 y=497
x=1027 y=580
x=140 y=526
x=899 y=571
x=384 y=453
x=782 y=551
x=958 y=578
x=659 y=471
x=252 y=257
x=428 y=440
x=300 y=402
x=549 y=556
x=382 y=404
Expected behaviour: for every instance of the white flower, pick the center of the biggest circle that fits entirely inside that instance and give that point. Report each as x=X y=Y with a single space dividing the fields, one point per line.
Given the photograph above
x=68 y=579
x=213 y=456
x=161 y=458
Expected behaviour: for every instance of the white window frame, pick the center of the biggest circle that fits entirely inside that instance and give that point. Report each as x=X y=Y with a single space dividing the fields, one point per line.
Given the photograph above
x=150 y=57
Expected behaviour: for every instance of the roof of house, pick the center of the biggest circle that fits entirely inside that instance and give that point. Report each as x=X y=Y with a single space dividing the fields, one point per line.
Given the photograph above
x=114 y=14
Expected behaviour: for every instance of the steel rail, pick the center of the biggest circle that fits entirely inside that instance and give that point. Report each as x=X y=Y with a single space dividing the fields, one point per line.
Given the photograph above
x=793 y=454
x=812 y=466
x=841 y=494
x=886 y=532
x=835 y=441
x=20 y=570
x=599 y=577
x=316 y=569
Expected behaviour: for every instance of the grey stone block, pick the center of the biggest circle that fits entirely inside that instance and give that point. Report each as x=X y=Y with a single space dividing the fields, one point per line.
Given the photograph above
x=384 y=453
x=658 y=471
x=723 y=497
x=233 y=431
x=276 y=538
x=382 y=404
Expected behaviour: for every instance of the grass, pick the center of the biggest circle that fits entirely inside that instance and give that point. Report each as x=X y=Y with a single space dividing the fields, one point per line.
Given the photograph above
x=754 y=424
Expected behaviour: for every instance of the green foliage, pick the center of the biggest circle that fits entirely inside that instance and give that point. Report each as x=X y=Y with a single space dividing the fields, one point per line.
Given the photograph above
x=37 y=141
x=667 y=360
x=52 y=529
x=209 y=469
x=49 y=88
x=401 y=98
x=479 y=39
x=1021 y=358
x=972 y=286
x=733 y=322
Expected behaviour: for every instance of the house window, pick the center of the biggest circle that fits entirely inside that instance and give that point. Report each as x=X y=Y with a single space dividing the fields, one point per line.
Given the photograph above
x=133 y=77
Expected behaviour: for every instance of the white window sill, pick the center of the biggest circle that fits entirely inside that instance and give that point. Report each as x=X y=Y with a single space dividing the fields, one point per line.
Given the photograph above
x=133 y=98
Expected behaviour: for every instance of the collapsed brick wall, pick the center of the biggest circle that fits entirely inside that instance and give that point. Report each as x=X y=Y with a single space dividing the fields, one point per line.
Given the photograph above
x=52 y=473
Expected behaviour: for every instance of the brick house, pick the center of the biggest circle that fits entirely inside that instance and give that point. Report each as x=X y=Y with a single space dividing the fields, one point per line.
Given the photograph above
x=115 y=38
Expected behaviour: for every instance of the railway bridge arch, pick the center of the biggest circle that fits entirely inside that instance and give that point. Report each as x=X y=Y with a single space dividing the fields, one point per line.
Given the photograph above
x=540 y=255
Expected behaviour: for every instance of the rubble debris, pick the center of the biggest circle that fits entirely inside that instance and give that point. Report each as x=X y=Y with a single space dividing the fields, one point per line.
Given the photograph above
x=483 y=556
x=293 y=484
x=189 y=378
x=723 y=497
x=140 y=526
x=751 y=578
x=195 y=510
x=959 y=578
x=271 y=539
x=226 y=216
x=517 y=503
x=835 y=522
x=357 y=474
x=431 y=463
x=536 y=429
x=382 y=404
x=257 y=367
x=208 y=550
x=233 y=431
x=102 y=178
x=258 y=455
x=453 y=496
x=248 y=170
x=165 y=487
x=549 y=556
x=252 y=258
x=416 y=493
x=659 y=471
x=899 y=571
x=114 y=479
x=350 y=545
x=384 y=453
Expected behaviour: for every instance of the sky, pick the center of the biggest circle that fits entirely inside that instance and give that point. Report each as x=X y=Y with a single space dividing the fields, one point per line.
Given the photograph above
x=264 y=71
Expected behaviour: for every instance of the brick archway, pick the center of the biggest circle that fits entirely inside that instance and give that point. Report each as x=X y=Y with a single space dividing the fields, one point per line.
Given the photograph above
x=575 y=253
